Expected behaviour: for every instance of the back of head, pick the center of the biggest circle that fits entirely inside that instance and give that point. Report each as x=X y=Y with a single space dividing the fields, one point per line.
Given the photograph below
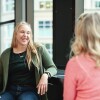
x=87 y=35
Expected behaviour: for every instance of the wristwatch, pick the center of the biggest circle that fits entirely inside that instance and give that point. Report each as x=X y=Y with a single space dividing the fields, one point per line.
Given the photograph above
x=48 y=74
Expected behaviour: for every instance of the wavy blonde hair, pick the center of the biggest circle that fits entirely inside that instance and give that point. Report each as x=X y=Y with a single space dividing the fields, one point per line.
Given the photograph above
x=87 y=36
x=30 y=47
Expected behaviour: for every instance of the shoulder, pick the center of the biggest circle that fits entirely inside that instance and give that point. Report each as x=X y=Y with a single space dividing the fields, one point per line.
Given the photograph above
x=73 y=64
x=39 y=46
x=71 y=61
x=73 y=68
x=76 y=59
x=78 y=63
x=6 y=52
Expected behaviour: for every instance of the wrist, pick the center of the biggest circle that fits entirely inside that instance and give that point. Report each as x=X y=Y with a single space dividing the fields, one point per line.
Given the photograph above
x=47 y=74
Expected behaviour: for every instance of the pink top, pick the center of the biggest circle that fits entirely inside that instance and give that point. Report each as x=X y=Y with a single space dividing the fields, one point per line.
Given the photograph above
x=82 y=79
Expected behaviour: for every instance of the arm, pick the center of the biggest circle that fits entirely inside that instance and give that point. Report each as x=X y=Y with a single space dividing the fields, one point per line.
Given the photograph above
x=69 y=92
x=48 y=63
x=49 y=67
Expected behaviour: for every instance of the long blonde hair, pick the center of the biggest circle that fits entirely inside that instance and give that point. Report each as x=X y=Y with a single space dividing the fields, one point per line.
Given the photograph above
x=31 y=48
x=87 y=36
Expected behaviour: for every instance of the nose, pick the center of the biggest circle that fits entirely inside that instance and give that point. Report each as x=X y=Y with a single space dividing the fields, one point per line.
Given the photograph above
x=25 y=33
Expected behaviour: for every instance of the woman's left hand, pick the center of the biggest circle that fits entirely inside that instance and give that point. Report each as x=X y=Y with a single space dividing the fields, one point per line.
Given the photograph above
x=43 y=84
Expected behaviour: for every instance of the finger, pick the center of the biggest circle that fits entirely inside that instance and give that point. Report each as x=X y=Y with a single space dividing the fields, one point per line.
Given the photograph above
x=46 y=89
x=38 y=89
x=42 y=89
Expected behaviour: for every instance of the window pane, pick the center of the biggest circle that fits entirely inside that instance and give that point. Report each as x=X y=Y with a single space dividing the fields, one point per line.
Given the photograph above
x=91 y=5
x=6 y=35
x=6 y=10
x=43 y=31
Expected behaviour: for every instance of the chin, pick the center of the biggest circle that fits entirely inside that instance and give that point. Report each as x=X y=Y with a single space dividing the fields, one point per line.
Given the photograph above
x=24 y=44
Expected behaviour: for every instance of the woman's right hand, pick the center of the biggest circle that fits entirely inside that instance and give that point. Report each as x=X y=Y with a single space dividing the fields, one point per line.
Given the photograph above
x=43 y=84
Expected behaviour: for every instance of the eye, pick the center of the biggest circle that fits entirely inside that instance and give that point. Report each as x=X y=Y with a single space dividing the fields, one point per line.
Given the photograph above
x=28 y=32
x=22 y=31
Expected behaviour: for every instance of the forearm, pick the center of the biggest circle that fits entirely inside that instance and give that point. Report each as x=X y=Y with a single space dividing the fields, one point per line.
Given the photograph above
x=52 y=71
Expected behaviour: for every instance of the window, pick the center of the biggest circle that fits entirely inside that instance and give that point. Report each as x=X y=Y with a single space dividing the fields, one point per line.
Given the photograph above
x=7 y=20
x=91 y=5
x=44 y=29
x=8 y=6
x=43 y=23
x=97 y=4
x=6 y=34
x=45 y=5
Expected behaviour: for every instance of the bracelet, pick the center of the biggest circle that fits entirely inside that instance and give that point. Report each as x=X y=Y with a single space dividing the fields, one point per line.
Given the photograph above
x=47 y=74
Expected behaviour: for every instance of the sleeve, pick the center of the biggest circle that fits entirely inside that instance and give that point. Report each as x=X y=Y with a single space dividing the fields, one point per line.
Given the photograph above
x=69 y=92
x=48 y=63
x=1 y=74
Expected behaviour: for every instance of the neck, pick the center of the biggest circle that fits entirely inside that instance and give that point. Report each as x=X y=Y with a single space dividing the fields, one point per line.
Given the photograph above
x=19 y=49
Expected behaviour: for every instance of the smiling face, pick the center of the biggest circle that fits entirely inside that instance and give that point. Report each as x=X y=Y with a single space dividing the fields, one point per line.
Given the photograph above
x=23 y=35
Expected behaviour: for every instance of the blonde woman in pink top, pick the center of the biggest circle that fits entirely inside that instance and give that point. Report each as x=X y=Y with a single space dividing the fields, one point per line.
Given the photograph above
x=82 y=73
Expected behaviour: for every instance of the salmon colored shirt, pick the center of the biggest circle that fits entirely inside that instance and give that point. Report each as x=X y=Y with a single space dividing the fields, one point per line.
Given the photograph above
x=82 y=79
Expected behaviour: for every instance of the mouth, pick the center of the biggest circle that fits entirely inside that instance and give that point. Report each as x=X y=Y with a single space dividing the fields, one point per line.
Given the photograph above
x=25 y=39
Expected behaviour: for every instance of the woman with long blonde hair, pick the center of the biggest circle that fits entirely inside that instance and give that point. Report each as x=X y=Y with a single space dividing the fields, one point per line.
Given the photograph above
x=25 y=67
x=82 y=73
